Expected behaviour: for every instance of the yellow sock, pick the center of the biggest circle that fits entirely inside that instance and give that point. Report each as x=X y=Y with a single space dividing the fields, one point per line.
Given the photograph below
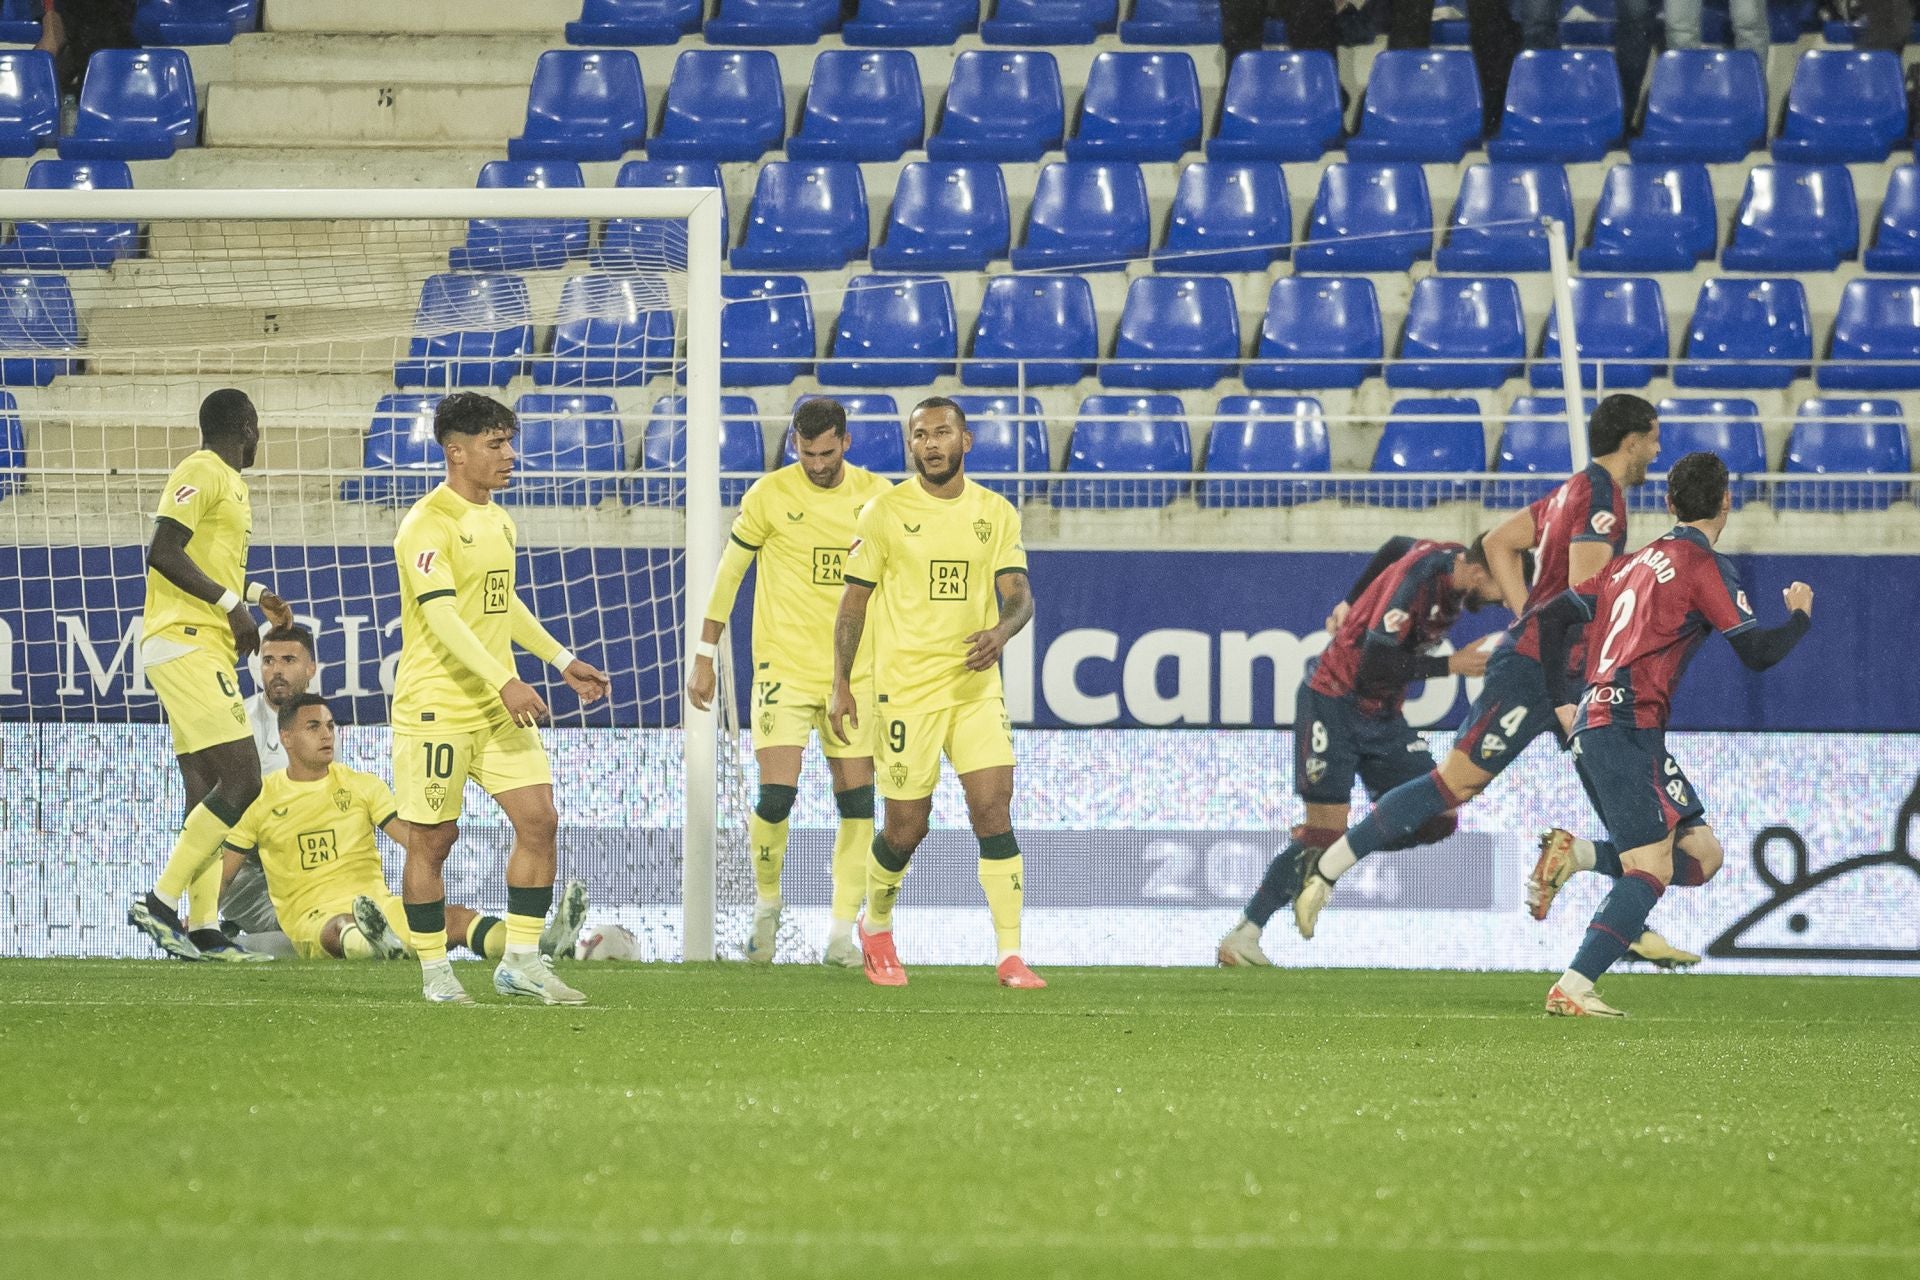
x=487 y=936
x=522 y=932
x=768 y=843
x=883 y=886
x=354 y=944
x=198 y=844
x=850 y=866
x=203 y=895
x=1000 y=880
x=427 y=931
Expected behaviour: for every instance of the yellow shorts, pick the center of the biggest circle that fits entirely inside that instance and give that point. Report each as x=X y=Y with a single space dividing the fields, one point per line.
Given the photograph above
x=784 y=716
x=304 y=933
x=907 y=745
x=430 y=770
x=201 y=696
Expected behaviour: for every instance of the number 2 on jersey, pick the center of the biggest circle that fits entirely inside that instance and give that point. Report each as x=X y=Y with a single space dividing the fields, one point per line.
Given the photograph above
x=1616 y=623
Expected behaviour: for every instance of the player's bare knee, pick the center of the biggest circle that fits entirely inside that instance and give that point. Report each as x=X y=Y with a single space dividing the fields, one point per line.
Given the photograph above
x=538 y=827
x=1654 y=860
x=991 y=814
x=330 y=934
x=1462 y=778
x=905 y=831
x=1703 y=847
x=432 y=844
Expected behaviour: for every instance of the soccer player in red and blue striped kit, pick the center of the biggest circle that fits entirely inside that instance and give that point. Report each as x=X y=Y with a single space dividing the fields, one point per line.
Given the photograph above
x=1649 y=613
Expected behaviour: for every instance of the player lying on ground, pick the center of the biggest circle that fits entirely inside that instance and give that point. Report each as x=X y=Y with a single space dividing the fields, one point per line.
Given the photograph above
x=459 y=709
x=944 y=559
x=196 y=628
x=312 y=832
x=1348 y=719
x=1651 y=612
x=795 y=524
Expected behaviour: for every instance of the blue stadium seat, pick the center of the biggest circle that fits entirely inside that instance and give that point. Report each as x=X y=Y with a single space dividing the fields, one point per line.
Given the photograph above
x=560 y=434
x=1652 y=217
x=1138 y=106
x=760 y=22
x=911 y=23
x=470 y=331
x=1878 y=325
x=1704 y=105
x=72 y=246
x=29 y=100
x=805 y=216
x=861 y=105
x=523 y=244
x=1001 y=105
x=1168 y=320
x=1086 y=214
x=584 y=104
x=1049 y=21
x=1266 y=433
x=185 y=22
x=13 y=446
x=1319 y=331
x=1846 y=436
x=1728 y=427
x=1845 y=106
x=1427 y=435
x=893 y=331
x=1228 y=215
x=946 y=216
x=612 y=331
x=743 y=452
x=769 y=319
x=1279 y=104
x=1421 y=104
x=650 y=243
x=19 y=21
x=401 y=452
x=876 y=441
x=1794 y=217
x=1455 y=319
x=1561 y=105
x=622 y=22
x=1483 y=234
x=1045 y=322
x=1622 y=325
x=1356 y=213
x=1533 y=443
x=1172 y=22
x=1126 y=433
x=135 y=104
x=39 y=330
x=722 y=105
x=1008 y=437
x=1896 y=241
x=1747 y=320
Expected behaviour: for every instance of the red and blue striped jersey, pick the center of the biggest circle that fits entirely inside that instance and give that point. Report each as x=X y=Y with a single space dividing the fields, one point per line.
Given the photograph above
x=1412 y=604
x=1588 y=507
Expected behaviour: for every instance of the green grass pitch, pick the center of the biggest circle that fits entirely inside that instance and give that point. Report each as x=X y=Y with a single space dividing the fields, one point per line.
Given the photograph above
x=315 y=1120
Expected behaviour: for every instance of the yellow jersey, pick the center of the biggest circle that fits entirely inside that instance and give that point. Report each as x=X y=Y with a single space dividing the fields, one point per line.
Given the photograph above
x=448 y=546
x=798 y=535
x=933 y=564
x=210 y=500
x=315 y=839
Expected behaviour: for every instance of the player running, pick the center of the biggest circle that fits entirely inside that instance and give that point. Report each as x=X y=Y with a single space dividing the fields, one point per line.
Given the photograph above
x=1652 y=611
x=196 y=628
x=1348 y=718
x=944 y=558
x=312 y=830
x=459 y=709
x=796 y=524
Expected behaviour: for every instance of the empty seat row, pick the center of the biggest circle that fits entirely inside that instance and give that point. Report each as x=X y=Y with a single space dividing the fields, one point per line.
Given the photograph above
x=71 y=246
x=895 y=23
x=135 y=104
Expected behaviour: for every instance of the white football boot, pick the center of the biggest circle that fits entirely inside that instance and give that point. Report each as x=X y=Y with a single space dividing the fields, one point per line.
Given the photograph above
x=533 y=976
x=1562 y=1003
x=439 y=986
x=766 y=929
x=569 y=916
x=1240 y=948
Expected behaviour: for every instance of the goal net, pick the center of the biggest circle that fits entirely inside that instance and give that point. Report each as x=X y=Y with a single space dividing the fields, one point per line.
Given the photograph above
x=346 y=316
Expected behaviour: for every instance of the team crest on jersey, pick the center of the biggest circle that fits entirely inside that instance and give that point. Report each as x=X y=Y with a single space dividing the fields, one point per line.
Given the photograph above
x=1316 y=770
x=1395 y=622
x=897 y=772
x=1603 y=522
x=239 y=713
x=424 y=562
x=766 y=724
x=341 y=800
x=436 y=796
x=982 y=530
x=1678 y=790
x=1492 y=745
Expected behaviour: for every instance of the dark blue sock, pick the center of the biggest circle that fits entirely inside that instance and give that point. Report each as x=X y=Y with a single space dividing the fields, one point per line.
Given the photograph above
x=1399 y=814
x=1606 y=859
x=1621 y=919
x=1277 y=887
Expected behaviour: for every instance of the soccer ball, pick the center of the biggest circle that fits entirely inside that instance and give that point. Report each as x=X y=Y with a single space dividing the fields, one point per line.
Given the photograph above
x=608 y=942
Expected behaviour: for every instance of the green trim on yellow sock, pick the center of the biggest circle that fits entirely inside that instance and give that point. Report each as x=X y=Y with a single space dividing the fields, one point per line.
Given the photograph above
x=427 y=930
x=487 y=936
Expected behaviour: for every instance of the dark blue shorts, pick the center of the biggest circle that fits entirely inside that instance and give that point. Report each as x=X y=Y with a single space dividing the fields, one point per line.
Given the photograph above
x=1334 y=743
x=1637 y=789
x=1512 y=710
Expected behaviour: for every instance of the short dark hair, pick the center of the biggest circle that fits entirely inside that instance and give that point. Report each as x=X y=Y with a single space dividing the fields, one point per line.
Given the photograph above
x=942 y=402
x=1616 y=418
x=297 y=704
x=295 y=633
x=1477 y=553
x=225 y=414
x=814 y=418
x=468 y=413
x=1697 y=486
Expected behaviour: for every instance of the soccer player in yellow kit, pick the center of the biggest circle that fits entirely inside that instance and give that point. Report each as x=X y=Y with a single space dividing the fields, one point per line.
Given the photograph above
x=460 y=711
x=196 y=628
x=944 y=559
x=796 y=525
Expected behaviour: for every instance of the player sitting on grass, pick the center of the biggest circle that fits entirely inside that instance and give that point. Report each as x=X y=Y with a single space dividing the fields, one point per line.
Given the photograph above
x=1651 y=612
x=312 y=829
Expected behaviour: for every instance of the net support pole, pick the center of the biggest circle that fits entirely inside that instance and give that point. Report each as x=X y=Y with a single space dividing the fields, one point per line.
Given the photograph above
x=1557 y=262
x=700 y=735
